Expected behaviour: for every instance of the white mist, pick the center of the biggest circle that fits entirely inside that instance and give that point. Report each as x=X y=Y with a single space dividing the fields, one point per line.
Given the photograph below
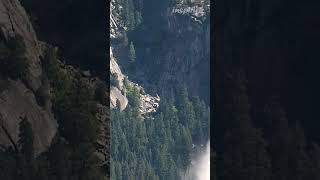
x=200 y=166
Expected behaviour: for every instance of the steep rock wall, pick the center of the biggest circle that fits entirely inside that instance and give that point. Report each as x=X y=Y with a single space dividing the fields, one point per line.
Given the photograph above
x=176 y=52
x=17 y=99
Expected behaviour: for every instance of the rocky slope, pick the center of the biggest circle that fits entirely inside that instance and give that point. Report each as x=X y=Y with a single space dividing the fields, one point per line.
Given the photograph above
x=17 y=98
x=148 y=103
x=116 y=94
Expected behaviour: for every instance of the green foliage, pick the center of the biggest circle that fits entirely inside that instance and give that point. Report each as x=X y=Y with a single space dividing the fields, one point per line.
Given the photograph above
x=131 y=13
x=278 y=152
x=59 y=157
x=138 y=17
x=126 y=83
x=72 y=103
x=133 y=96
x=242 y=140
x=13 y=63
x=315 y=161
x=113 y=80
x=100 y=93
x=26 y=139
x=123 y=38
x=158 y=147
x=8 y=164
x=72 y=155
x=21 y=163
x=74 y=108
x=132 y=53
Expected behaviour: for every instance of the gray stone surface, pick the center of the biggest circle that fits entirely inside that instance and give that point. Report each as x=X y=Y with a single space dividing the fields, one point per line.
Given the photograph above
x=16 y=102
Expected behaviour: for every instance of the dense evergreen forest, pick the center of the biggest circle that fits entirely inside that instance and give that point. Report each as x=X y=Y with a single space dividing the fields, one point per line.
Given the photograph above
x=160 y=146
x=278 y=150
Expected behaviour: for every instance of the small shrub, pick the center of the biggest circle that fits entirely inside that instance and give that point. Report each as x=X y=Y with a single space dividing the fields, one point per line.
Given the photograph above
x=133 y=97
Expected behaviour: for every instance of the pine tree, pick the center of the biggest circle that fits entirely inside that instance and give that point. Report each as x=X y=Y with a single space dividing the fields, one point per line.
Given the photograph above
x=138 y=4
x=201 y=126
x=278 y=132
x=8 y=164
x=185 y=145
x=59 y=156
x=129 y=14
x=213 y=174
x=299 y=162
x=138 y=18
x=244 y=154
x=113 y=175
x=154 y=147
x=186 y=110
x=26 y=139
x=315 y=162
x=132 y=53
x=118 y=171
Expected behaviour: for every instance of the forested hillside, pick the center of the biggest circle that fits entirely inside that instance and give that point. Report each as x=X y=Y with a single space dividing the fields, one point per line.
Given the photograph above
x=159 y=145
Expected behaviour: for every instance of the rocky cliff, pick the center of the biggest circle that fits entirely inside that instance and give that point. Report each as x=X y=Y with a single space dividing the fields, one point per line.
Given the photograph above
x=17 y=98
x=175 y=52
x=15 y=21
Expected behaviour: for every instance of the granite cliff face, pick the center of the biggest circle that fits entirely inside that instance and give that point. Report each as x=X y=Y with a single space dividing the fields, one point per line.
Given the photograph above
x=118 y=95
x=163 y=64
x=174 y=53
x=15 y=21
x=17 y=98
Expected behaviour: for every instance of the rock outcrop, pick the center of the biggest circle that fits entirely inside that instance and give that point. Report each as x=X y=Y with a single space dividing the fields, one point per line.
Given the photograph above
x=148 y=103
x=116 y=96
x=17 y=102
x=15 y=21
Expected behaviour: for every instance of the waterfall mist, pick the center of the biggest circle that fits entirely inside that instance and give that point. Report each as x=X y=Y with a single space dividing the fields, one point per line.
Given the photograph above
x=200 y=165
